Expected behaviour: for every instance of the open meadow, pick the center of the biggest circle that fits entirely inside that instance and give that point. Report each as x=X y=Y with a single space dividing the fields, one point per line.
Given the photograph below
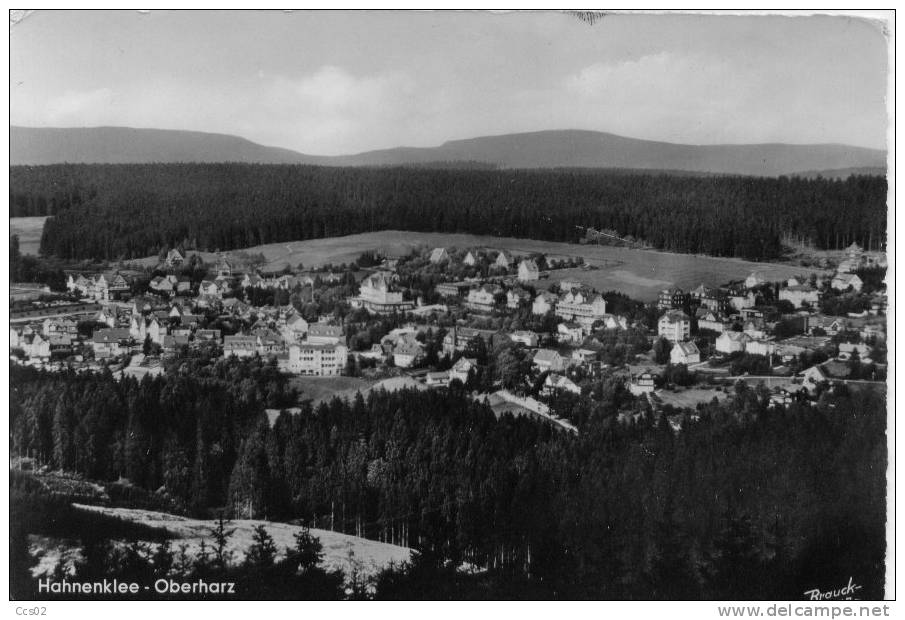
x=29 y=230
x=372 y=556
x=640 y=274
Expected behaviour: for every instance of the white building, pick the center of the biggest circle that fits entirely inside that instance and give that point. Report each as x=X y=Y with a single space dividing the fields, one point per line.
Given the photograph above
x=581 y=306
x=708 y=319
x=527 y=338
x=377 y=295
x=554 y=383
x=732 y=342
x=406 y=354
x=842 y=281
x=109 y=342
x=760 y=347
x=462 y=368
x=674 y=325
x=318 y=360
x=548 y=359
x=800 y=294
x=483 y=298
x=644 y=383
x=544 y=302
x=295 y=328
x=240 y=346
x=755 y=280
x=739 y=301
x=528 y=271
x=437 y=379
x=324 y=333
x=439 y=255
x=569 y=333
x=685 y=353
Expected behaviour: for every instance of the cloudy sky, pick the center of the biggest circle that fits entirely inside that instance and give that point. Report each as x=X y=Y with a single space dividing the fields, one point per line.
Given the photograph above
x=330 y=83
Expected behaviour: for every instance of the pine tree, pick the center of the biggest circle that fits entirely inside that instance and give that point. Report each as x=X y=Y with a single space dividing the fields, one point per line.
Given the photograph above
x=221 y=536
x=307 y=553
x=263 y=551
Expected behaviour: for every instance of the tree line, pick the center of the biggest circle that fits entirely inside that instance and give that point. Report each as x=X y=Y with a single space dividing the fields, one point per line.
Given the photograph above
x=128 y=211
x=746 y=501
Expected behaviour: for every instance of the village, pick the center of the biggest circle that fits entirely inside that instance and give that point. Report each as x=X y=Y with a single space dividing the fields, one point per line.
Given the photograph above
x=501 y=325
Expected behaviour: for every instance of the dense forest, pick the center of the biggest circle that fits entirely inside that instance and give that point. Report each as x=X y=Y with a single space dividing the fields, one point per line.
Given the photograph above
x=743 y=502
x=128 y=211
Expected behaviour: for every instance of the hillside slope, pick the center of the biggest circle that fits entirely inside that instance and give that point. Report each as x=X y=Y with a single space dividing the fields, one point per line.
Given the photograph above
x=123 y=145
x=372 y=556
x=591 y=149
x=541 y=149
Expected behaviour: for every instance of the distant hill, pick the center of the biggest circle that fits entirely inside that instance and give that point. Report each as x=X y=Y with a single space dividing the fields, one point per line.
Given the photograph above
x=123 y=145
x=542 y=149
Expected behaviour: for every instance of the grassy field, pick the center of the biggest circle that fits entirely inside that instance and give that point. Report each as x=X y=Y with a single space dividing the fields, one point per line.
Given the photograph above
x=29 y=230
x=319 y=389
x=690 y=398
x=372 y=555
x=638 y=273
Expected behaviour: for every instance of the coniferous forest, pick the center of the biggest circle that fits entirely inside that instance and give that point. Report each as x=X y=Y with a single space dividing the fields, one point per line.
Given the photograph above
x=745 y=501
x=129 y=211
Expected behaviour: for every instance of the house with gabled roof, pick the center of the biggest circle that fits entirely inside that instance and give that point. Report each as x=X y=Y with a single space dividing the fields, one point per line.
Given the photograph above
x=822 y=373
x=462 y=369
x=240 y=345
x=544 y=302
x=710 y=320
x=549 y=359
x=569 y=332
x=325 y=333
x=110 y=342
x=559 y=383
x=483 y=298
x=844 y=281
x=582 y=306
x=437 y=379
x=438 y=255
x=528 y=270
x=643 y=383
x=515 y=297
x=174 y=258
x=732 y=342
x=685 y=353
x=503 y=260
x=406 y=354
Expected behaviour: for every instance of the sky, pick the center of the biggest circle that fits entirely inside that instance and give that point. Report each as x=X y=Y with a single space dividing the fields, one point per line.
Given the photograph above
x=330 y=83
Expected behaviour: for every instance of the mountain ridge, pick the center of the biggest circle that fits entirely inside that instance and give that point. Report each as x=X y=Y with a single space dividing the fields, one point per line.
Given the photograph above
x=572 y=148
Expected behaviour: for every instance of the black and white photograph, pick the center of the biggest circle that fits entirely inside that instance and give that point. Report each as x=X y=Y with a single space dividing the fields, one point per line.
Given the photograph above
x=452 y=305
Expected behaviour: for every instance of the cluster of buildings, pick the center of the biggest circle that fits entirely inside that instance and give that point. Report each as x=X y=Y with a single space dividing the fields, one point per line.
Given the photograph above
x=99 y=287
x=177 y=313
x=738 y=320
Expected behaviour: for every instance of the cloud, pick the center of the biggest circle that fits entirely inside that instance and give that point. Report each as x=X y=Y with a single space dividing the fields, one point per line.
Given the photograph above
x=663 y=86
x=332 y=111
x=333 y=88
x=74 y=107
x=674 y=75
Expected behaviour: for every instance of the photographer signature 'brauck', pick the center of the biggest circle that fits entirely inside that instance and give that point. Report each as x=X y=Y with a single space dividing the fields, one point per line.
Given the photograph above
x=845 y=593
